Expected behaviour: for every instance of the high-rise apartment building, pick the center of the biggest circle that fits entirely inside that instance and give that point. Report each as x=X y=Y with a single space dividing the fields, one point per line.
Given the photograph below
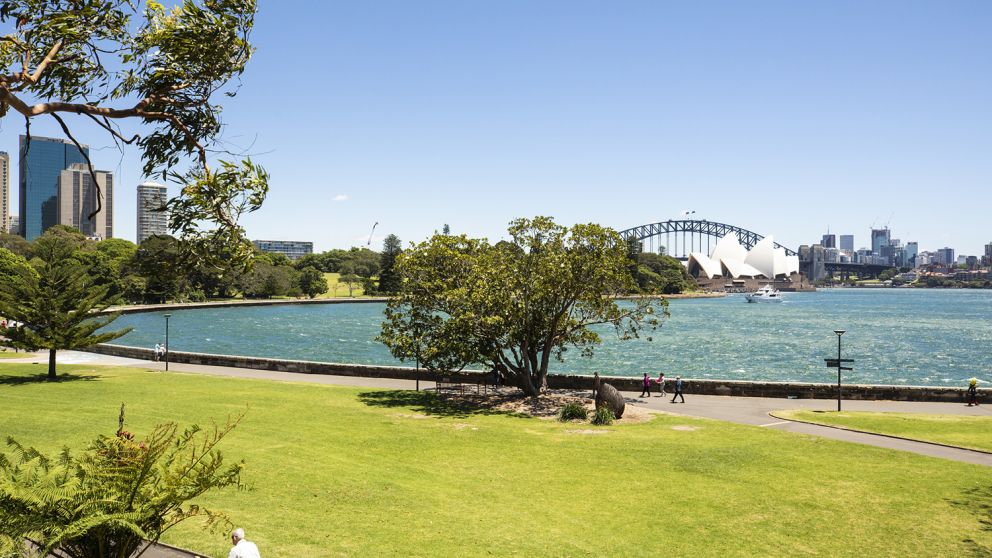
x=847 y=242
x=829 y=241
x=42 y=161
x=945 y=256
x=152 y=219
x=5 y=192
x=879 y=238
x=78 y=200
x=15 y=225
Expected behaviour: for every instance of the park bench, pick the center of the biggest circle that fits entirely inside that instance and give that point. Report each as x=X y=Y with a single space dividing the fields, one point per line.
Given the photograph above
x=451 y=384
x=455 y=384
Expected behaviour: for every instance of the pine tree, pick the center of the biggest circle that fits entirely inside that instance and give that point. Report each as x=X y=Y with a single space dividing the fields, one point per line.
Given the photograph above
x=389 y=280
x=53 y=307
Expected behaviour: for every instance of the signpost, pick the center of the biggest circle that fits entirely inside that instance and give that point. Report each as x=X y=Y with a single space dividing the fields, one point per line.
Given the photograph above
x=839 y=364
x=167 y=316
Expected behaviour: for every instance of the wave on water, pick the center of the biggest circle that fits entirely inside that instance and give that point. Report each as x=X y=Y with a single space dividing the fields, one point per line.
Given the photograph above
x=895 y=336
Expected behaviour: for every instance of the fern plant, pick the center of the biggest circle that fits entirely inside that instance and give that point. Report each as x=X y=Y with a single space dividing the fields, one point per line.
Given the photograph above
x=116 y=493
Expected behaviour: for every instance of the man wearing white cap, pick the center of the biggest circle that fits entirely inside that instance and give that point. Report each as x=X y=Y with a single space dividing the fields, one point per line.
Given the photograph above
x=242 y=548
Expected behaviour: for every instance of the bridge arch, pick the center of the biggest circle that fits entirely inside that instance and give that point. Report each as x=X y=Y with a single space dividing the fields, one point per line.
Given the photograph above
x=695 y=230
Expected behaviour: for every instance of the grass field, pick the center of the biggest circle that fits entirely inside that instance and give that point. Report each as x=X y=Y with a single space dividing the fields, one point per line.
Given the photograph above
x=9 y=353
x=358 y=472
x=336 y=288
x=964 y=431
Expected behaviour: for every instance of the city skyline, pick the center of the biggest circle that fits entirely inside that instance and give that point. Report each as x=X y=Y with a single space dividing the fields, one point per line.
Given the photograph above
x=758 y=116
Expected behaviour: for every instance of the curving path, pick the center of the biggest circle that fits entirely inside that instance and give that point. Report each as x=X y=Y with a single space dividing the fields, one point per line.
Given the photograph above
x=742 y=410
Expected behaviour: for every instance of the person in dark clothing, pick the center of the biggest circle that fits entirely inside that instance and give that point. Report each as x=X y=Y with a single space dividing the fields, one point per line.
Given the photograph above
x=646 y=389
x=678 y=389
x=972 y=392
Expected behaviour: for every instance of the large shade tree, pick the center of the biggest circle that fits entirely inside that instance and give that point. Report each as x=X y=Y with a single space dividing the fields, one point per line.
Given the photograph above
x=517 y=304
x=157 y=71
x=52 y=307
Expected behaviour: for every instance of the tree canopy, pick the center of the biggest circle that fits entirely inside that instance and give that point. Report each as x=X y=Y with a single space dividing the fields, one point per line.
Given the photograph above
x=516 y=304
x=389 y=280
x=52 y=304
x=104 y=62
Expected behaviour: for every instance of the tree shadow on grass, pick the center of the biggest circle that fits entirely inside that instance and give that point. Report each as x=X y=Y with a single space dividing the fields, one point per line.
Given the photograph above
x=432 y=404
x=21 y=380
x=978 y=502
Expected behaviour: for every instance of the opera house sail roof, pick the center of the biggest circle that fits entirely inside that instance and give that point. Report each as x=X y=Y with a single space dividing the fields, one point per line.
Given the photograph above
x=730 y=259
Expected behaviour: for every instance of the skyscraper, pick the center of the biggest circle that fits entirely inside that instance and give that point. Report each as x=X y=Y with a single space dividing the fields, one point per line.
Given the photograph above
x=42 y=161
x=847 y=242
x=829 y=241
x=912 y=250
x=78 y=200
x=879 y=238
x=152 y=196
x=5 y=192
x=945 y=256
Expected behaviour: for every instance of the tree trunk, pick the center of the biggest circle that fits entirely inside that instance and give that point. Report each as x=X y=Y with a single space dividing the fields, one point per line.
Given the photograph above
x=533 y=384
x=51 y=365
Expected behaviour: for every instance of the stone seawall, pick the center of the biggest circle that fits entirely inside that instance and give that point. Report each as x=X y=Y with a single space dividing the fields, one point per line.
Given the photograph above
x=559 y=381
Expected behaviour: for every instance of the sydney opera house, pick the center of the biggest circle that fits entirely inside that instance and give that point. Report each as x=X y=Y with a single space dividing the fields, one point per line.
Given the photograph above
x=733 y=267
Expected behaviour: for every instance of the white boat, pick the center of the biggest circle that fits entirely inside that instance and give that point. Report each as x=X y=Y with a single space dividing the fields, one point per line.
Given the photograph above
x=764 y=294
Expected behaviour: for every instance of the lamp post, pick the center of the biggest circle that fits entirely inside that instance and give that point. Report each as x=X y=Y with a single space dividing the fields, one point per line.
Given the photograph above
x=839 y=332
x=167 y=316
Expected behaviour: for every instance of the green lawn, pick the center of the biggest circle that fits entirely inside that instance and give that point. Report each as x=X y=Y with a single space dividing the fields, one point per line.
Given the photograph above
x=956 y=430
x=357 y=472
x=336 y=288
x=9 y=353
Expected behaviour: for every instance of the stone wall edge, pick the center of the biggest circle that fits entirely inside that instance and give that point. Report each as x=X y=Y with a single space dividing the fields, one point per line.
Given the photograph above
x=735 y=388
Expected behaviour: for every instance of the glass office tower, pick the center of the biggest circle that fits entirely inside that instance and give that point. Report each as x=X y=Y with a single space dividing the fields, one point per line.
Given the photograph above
x=41 y=164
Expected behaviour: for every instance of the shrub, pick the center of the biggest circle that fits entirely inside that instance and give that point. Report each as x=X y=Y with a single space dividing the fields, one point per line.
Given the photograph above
x=572 y=411
x=118 y=491
x=603 y=417
x=197 y=296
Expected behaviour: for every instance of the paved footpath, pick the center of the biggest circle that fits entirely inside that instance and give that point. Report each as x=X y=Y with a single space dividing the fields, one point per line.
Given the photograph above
x=742 y=410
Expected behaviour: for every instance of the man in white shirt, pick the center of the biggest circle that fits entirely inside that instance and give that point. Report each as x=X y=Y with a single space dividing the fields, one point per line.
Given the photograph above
x=242 y=548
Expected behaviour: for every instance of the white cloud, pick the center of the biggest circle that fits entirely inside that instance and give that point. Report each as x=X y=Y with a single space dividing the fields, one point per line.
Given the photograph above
x=341 y=197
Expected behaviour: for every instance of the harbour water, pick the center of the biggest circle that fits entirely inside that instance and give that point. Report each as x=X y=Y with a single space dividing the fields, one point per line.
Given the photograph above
x=895 y=336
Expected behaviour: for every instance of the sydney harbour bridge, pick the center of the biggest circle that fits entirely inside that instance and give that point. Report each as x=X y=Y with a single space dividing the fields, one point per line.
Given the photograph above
x=681 y=237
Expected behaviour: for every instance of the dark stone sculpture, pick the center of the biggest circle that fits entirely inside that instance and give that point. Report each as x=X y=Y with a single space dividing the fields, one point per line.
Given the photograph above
x=609 y=396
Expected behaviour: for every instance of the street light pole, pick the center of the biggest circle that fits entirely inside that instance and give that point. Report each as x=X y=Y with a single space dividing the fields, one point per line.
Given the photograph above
x=839 y=332
x=167 y=316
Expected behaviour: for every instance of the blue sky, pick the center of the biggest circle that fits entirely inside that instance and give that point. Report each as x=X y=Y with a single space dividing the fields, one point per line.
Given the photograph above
x=782 y=117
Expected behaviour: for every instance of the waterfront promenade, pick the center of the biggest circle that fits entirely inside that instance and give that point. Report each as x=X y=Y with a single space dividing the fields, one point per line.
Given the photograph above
x=752 y=411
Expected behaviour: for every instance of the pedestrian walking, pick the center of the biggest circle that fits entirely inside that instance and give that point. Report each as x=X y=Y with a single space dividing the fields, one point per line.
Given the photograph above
x=678 y=389
x=972 y=392
x=595 y=384
x=646 y=389
x=661 y=384
x=158 y=352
